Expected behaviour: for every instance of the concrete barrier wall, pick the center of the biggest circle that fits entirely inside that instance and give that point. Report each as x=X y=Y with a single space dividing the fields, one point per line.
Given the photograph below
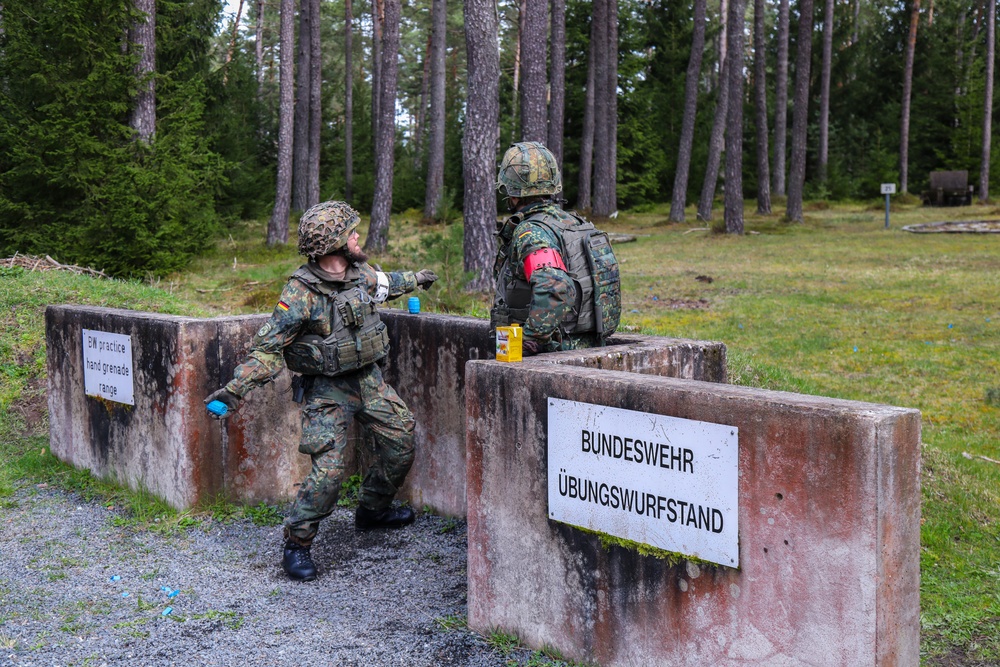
x=427 y=367
x=829 y=530
x=168 y=444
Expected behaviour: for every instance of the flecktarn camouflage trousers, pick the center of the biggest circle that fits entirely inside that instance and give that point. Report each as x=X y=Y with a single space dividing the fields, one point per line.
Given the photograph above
x=330 y=405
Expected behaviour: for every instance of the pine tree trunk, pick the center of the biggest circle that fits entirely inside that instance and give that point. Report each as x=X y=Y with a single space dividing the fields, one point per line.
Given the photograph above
x=300 y=150
x=348 y=102
x=857 y=21
x=715 y=143
x=385 y=144
x=611 y=99
x=421 y=128
x=800 y=112
x=258 y=48
x=760 y=109
x=315 y=102
x=435 y=152
x=480 y=139
x=904 y=124
x=557 y=81
x=516 y=125
x=377 y=14
x=142 y=39
x=824 y=95
x=232 y=41
x=679 y=199
x=723 y=44
x=598 y=51
x=587 y=136
x=605 y=108
x=984 y=167
x=533 y=76
x=781 y=101
x=733 y=211
x=277 y=228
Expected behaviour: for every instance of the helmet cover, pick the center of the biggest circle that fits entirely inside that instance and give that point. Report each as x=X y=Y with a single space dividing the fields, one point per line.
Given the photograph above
x=528 y=168
x=326 y=227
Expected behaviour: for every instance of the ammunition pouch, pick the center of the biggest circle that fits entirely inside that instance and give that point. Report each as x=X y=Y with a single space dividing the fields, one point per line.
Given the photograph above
x=333 y=356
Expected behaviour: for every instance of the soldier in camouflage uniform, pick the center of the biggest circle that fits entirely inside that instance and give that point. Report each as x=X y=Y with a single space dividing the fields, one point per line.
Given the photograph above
x=533 y=286
x=326 y=326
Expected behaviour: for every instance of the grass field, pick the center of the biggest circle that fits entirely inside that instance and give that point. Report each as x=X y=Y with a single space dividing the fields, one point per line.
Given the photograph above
x=837 y=306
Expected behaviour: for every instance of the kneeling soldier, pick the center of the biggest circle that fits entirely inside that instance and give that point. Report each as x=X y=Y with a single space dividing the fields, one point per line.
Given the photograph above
x=326 y=327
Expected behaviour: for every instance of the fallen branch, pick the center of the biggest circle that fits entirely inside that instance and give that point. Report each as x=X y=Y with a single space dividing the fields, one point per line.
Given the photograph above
x=979 y=456
x=46 y=263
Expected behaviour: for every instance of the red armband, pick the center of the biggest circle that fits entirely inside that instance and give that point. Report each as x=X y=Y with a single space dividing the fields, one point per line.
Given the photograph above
x=542 y=258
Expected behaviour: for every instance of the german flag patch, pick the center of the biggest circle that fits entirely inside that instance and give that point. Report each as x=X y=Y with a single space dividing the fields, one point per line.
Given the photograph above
x=282 y=306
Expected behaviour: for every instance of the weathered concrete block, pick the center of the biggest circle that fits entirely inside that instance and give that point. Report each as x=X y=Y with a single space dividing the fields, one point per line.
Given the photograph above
x=262 y=462
x=164 y=442
x=426 y=365
x=829 y=531
x=168 y=444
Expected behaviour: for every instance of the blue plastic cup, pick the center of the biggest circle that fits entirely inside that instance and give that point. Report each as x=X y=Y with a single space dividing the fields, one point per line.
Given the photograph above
x=217 y=408
x=413 y=304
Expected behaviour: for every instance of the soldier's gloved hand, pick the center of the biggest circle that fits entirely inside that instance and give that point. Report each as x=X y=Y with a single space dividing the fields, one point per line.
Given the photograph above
x=231 y=400
x=530 y=348
x=425 y=278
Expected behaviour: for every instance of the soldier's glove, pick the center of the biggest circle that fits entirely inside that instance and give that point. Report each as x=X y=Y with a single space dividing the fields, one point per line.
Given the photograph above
x=425 y=278
x=231 y=400
x=530 y=348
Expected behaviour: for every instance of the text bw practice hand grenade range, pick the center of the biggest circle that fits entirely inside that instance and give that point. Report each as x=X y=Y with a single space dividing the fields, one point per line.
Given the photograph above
x=509 y=343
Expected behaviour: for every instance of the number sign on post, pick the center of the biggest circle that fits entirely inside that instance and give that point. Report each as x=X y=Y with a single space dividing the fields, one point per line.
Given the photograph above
x=888 y=189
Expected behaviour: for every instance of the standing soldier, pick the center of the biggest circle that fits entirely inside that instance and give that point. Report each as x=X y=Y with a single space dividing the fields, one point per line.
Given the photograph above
x=326 y=327
x=555 y=274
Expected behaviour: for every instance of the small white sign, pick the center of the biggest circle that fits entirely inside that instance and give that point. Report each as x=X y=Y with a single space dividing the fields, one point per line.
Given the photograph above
x=663 y=481
x=888 y=188
x=107 y=366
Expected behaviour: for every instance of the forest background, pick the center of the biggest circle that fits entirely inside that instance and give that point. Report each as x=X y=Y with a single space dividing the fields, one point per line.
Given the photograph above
x=128 y=143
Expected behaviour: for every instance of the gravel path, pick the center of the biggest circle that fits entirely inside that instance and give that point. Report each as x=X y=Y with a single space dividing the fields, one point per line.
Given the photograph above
x=78 y=587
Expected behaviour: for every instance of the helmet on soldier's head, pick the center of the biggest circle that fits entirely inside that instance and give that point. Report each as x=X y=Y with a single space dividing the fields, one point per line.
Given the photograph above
x=326 y=227
x=528 y=169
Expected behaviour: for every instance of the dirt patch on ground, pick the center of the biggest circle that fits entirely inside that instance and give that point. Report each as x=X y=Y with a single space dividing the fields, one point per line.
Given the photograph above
x=679 y=304
x=956 y=227
x=31 y=408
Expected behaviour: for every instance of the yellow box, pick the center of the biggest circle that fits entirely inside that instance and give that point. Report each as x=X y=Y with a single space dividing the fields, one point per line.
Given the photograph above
x=509 y=343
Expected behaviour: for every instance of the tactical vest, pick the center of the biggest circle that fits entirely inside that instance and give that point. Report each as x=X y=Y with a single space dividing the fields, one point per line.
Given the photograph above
x=357 y=336
x=591 y=264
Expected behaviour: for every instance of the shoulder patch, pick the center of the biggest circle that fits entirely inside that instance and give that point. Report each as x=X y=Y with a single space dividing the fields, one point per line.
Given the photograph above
x=282 y=305
x=264 y=330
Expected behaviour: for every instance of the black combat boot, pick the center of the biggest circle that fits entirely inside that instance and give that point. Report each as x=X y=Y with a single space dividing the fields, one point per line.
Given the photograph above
x=297 y=562
x=390 y=517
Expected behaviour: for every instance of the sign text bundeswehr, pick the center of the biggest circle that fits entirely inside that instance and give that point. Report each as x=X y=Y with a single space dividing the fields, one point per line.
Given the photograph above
x=107 y=366
x=663 y=481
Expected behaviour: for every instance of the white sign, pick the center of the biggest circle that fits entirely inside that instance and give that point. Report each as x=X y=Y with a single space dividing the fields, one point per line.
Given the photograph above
x=888 y=188
x=107 y=366
x=667 y=482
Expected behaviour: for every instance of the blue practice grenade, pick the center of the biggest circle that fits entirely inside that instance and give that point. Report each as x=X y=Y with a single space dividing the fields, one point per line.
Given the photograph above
x=218 y=408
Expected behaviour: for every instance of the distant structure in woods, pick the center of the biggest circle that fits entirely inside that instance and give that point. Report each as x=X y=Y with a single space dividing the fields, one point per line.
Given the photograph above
x=948 y=188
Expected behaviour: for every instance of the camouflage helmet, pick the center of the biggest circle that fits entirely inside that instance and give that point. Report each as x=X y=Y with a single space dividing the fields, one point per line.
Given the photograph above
x=529 y=168
x=326 y=227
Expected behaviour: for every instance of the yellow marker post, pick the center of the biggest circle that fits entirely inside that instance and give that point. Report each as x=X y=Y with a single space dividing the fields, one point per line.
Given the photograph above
x=509 y=343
